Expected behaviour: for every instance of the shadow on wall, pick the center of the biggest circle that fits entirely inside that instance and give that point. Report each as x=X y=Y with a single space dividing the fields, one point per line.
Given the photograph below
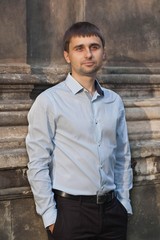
x=39 y=32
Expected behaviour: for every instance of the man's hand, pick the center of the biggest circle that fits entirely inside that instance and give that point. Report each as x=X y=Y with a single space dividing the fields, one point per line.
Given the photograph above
x=51 y=228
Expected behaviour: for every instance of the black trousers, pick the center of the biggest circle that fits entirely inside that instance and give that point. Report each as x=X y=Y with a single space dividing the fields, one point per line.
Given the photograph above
x=81 y=220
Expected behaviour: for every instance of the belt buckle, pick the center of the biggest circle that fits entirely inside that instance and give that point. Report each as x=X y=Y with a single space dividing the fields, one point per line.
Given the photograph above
x=101 y=198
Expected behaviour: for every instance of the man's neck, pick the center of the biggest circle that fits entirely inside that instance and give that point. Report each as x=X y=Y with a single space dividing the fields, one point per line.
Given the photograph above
x=88 y=82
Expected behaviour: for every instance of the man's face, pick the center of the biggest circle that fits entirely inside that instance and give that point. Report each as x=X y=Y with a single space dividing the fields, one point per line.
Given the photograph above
x=85 y=55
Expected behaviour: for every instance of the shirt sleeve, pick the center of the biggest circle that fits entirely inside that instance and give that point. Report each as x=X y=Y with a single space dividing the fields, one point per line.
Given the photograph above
x=123 y=170
x=39 y=144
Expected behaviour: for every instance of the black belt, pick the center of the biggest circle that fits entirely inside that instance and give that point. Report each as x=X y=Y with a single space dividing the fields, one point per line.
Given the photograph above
x=98 y=199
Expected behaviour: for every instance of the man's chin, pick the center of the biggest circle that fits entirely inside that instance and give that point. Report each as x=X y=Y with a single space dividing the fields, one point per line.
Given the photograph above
x=90 y=72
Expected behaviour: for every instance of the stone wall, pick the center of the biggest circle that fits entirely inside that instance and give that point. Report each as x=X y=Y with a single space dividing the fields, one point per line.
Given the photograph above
x=31 y=60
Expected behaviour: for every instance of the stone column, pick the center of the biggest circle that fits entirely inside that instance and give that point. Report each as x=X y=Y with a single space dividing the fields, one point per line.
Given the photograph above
x=17 y=209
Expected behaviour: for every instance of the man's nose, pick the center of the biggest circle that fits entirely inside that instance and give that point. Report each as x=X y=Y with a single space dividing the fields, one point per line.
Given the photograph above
x=88 y=53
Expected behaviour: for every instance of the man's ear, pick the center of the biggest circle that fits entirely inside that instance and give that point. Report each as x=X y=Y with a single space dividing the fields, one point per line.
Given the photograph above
x=66 y=56
x=104 y=55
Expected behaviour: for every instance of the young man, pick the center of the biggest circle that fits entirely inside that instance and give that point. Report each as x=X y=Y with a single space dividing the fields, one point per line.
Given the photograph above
x=79 y=156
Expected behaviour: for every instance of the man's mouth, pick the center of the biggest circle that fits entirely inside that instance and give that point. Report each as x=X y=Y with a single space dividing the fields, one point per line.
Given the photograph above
x=88 y=63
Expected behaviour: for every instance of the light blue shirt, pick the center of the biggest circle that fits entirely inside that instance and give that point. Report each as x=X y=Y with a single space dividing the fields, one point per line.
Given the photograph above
x=77 y=143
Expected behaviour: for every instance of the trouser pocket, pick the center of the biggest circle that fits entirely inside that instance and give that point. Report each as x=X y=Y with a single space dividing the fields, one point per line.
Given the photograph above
x=50 y=235
x=122 y=207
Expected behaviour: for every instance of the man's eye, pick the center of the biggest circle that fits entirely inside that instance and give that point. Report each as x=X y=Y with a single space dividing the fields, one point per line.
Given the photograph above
x=79 y=49
x=94 y=47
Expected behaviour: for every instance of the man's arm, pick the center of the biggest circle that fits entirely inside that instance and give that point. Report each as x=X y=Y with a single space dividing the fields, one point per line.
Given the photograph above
x=51 y=228
x=40 y=149
x=123 y=170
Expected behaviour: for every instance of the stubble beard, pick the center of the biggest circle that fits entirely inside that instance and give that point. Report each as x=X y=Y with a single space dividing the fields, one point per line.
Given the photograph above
x=89 y=72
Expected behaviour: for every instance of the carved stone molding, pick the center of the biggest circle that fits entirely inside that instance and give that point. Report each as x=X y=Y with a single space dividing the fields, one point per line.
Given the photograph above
x=140 y=91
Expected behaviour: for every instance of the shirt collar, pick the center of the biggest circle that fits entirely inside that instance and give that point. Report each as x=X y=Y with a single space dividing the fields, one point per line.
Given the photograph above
x=76 y=87
x=98 y=88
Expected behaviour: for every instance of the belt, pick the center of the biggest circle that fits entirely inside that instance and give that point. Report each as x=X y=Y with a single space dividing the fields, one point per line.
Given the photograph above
x=98 y=199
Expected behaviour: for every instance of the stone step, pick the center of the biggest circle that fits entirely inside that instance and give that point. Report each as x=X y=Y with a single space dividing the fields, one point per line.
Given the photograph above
x=12 y=137
x=132 y=79
x=141 y=102
x=14 y=113
x=14 y=118
x=131 y=70
x=142 y=113
x=144 y=130
x=145 y=148
x=13 y=158
x=15 y=193
x=15 y=105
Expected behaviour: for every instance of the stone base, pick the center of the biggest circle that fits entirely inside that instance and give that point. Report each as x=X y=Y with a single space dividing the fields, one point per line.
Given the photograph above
x=145 y=222
x=20 y=221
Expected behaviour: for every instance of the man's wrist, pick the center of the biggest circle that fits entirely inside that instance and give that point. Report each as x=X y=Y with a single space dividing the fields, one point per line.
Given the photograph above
x=50 y=228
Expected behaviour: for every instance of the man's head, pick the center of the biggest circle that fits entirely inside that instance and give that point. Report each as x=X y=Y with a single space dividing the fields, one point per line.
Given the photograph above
x=81 y=29
x=84 y=49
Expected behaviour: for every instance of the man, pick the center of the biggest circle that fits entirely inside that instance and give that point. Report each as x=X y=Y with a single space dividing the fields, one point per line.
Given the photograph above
x=79 y=156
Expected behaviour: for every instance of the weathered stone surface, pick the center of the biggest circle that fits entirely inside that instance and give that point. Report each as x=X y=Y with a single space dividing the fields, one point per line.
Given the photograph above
x=47 y=20
x=13 y=158
x=15 y=68
x=20 y=221
x=32 y=60
x=28 y=224
x=13 y=46
x=13 y=178
x=5 y=221
x=145 y=222
x=131 y=29
x=15 y=193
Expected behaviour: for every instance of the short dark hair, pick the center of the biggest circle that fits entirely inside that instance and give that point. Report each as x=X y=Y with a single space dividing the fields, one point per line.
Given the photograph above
x=83 y=29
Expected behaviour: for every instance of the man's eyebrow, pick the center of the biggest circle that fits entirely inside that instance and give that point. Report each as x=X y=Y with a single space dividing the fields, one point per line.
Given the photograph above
x=90 y=45
x=95 y=44
x=77 y=46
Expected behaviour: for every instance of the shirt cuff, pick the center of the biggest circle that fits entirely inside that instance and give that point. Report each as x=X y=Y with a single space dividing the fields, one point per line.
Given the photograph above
x=127 y=205
x=49 y=217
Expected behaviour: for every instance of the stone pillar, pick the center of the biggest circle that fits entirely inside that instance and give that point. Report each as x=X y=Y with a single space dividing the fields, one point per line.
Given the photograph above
x=17 y=209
